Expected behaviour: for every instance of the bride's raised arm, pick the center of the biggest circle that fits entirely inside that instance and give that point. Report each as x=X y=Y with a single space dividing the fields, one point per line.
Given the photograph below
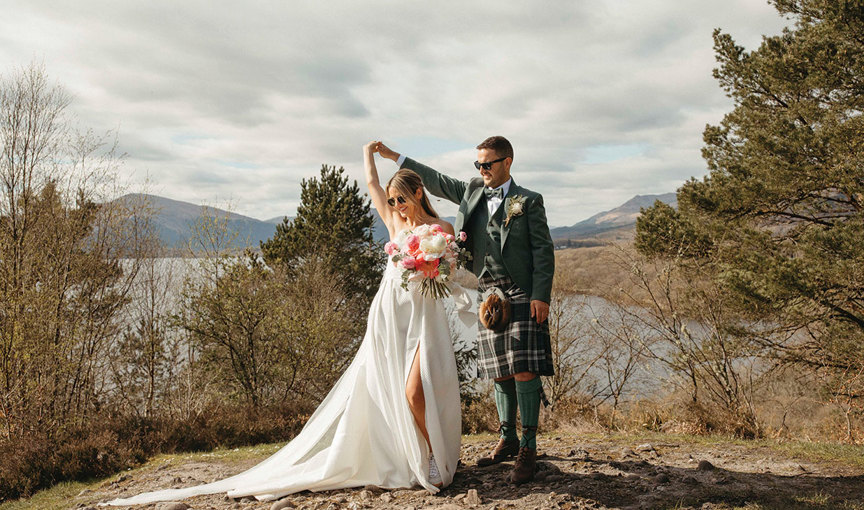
x=376 y=192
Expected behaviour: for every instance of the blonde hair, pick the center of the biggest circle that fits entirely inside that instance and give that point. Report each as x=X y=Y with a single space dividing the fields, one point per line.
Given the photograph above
x=406 y=182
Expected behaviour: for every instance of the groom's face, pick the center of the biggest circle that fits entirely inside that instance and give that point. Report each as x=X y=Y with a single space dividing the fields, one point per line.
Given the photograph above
x=498 y=173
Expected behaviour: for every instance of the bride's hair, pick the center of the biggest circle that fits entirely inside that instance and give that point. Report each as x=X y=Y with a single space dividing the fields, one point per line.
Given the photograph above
x=406 y=182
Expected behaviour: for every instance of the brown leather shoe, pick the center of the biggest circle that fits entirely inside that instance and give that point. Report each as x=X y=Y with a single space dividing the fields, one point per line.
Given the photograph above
x=525 y=466
x=503 y=451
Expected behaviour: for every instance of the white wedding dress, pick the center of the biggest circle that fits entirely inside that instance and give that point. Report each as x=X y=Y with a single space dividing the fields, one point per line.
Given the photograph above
x=363 y=433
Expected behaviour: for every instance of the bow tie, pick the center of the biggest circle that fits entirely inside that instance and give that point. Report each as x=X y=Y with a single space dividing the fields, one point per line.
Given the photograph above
x=496 y=193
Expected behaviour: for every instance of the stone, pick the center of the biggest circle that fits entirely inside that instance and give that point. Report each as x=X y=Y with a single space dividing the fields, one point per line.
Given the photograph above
x=172 y=505
x=704 y=465
x=386 y=497
x=472 y=498
x=626 y=452
x=459 y=497
x=85 y=491
x=281 y=505
x=661 y=478
x=647 y=447
x=365 y=495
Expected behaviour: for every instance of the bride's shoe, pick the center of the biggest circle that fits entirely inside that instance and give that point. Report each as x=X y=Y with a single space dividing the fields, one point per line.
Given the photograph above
x=434 y=474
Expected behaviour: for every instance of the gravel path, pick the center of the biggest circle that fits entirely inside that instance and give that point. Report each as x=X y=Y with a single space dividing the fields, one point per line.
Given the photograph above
x=573 y=474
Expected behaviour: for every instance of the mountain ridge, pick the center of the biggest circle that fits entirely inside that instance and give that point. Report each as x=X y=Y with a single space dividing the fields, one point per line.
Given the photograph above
x=174 y=220
x=616 y=222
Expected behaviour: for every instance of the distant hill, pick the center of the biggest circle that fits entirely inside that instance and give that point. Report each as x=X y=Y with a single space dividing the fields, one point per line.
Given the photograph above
x=612 y=224
x=174 y=219
x=275 y=220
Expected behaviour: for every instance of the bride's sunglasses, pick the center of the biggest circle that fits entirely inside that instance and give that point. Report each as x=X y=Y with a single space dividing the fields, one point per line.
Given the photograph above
x=392 y=201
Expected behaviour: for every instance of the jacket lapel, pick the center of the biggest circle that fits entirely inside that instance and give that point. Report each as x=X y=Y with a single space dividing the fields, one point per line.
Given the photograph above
x=473 y=200
x=505 y=228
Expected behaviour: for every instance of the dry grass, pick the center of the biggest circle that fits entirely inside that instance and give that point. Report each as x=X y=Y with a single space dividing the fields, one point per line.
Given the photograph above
x=604 y=271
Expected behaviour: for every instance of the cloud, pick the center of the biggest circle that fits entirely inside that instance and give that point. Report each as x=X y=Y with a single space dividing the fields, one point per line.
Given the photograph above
x=227 y=101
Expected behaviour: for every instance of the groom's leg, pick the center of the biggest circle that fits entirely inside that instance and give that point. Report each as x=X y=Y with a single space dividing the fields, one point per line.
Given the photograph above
x=507 y=403
x=528 y=389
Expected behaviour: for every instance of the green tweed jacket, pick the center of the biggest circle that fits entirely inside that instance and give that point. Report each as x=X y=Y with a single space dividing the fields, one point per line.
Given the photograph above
x=527 y=249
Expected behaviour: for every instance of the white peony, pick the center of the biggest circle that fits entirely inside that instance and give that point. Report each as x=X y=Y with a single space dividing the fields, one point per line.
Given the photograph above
x=402 y=236
x=433 y=247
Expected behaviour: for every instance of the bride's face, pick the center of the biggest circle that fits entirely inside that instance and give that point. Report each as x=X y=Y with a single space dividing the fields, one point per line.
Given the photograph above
x=408 y=206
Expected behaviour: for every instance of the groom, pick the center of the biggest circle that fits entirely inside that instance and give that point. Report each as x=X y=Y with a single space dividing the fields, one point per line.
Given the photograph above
x=509 y=239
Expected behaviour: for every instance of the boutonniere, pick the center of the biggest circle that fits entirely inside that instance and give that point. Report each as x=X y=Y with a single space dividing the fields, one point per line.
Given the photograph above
x=514 y=207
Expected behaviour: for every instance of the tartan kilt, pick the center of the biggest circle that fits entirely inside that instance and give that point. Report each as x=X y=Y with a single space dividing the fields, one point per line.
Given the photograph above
x=524 y=346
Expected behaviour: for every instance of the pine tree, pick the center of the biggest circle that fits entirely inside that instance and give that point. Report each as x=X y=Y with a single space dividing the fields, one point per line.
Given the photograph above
x=780 y=217
x=333 y=226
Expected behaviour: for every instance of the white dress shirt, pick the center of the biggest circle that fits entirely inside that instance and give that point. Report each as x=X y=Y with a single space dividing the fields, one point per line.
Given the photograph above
x=494 y=203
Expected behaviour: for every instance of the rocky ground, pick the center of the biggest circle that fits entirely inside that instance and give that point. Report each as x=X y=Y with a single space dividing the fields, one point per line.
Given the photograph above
x=573 y=473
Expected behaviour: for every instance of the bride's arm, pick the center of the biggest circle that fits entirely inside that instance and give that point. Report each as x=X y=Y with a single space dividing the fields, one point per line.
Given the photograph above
x=376 y=192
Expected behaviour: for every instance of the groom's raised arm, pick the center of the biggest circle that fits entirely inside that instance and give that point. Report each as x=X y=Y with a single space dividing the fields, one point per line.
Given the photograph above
x=437 y=183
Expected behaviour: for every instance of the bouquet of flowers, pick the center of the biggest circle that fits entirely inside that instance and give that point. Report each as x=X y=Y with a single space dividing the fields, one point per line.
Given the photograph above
x=429 y=255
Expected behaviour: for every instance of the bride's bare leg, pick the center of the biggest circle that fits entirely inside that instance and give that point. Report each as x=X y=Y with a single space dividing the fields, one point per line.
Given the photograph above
x=416 y=399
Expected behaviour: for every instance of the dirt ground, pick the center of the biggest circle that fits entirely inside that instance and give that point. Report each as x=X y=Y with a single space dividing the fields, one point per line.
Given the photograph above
x=573 y=473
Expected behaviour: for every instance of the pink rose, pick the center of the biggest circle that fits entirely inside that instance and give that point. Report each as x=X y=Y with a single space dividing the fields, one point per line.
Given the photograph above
x=408 y=263
x=437 y=228
x=462 y=235
x=391 y=248
x=413 y=242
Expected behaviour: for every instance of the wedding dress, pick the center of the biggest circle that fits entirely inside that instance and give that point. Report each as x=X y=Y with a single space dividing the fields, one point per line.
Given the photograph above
x=363 y=432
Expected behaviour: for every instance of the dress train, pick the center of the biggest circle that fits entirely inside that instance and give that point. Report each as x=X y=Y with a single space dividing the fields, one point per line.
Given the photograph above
x=363 y=432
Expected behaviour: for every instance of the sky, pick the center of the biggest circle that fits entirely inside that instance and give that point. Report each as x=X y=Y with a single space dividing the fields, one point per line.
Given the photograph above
x=232 y=104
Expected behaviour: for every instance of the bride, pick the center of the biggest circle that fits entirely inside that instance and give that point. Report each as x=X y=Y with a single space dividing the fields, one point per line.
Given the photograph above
x=393 y=418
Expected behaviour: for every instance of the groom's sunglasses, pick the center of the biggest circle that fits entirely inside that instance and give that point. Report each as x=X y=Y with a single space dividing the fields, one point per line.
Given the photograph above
x=487 y=165
x=392 y=201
